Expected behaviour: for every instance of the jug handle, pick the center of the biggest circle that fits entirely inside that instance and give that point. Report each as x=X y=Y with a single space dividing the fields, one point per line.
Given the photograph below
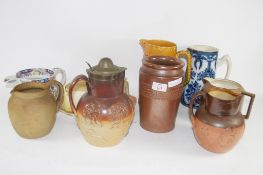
x=186 y=55
x=63 y=74
x=252 y=98
x=70 y=92
x=198 y=94
x=226 y=60
x=60 y=98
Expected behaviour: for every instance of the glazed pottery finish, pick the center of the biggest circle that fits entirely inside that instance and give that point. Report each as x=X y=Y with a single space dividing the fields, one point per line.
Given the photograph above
x=218 y=124
x=79 y=90
x=104 y=113
x=32 y=108
x=204 y=63
x=223 y=84
x=160 y=88
x=40 y=75
x=166 y=49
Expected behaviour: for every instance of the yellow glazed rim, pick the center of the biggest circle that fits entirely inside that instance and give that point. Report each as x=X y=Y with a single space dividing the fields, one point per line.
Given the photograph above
x=159 y=43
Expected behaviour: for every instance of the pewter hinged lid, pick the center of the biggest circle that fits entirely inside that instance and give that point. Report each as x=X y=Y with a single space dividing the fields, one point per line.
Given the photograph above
x=105 y=70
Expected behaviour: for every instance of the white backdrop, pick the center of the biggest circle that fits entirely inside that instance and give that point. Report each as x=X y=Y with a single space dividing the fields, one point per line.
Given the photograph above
x=66 y=33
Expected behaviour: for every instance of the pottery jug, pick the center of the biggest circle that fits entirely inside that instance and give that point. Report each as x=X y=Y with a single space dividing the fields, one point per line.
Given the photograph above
x=160 y=88
x=204 y=63
x=218 y=124
x=32 y=108
x=78 y=91
x=104 y=113
x=166 y=48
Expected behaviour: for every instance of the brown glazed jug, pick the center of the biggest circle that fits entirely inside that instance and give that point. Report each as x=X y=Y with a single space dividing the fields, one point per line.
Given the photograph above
x=32 y=108
x=160 y=88
x=104 y=113
x=218 y=124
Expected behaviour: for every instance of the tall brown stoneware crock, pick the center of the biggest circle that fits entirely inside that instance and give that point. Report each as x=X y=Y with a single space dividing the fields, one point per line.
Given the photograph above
x=218 y=124
x=32 y=108
x=160 y=88
x=104 y=113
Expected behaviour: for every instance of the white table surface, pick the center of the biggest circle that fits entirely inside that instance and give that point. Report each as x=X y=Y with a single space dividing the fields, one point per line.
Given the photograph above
x=64 y=150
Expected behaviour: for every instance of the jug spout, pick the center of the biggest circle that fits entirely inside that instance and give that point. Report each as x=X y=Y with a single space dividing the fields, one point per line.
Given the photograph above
x=143 y=43
x=207 y=80
x=156 y=47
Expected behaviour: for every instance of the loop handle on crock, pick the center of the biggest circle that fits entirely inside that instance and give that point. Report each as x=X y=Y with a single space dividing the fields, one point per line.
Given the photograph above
x=70 y=92
x=198 y=94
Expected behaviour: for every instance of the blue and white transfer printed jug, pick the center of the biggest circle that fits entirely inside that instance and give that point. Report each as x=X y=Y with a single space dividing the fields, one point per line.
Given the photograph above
x=204 y=63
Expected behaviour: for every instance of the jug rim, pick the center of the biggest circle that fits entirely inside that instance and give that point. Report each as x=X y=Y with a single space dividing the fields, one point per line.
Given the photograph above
x=20 y=90
x=224 y=83
x=171 y=62
x=234 y=98
x=203 y=48
x=149 y=42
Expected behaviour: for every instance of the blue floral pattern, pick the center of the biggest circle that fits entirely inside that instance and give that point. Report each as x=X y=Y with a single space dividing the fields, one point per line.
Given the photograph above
x=193 y=74
x=206 y=73
x=203 y=65
x=192 y=89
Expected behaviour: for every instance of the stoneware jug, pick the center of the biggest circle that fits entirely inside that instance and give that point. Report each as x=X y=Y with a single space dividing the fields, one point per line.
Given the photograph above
x=204 y=63
x=160 y=88
x=166 y=48
x=32 y=108
x=79 y=90
x=104 y=113
x=218 y=124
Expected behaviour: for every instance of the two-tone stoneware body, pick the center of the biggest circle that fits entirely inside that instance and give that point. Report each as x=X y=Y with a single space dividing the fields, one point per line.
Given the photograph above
x=160 y=88
x=104 y=113
x=32 y=108
x=218 y=124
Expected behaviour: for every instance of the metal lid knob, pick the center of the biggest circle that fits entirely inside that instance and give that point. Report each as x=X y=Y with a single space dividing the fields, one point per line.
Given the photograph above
x=105 y=70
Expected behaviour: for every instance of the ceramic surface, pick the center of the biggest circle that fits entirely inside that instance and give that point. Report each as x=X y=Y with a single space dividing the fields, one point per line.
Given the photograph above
x=218 y=123
x=79 y=90
x=166 y=49
x=40 y=75
x=160 y=88
x=104 y=113
x=204 y=63
x=32 y=108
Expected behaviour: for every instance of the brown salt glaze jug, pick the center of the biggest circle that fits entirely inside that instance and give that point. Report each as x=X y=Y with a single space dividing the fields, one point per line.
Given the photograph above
x=32 y=108
x=167 y=48
x=78 y=91
x=104 y=113
x=218 y=124
x=160 y=88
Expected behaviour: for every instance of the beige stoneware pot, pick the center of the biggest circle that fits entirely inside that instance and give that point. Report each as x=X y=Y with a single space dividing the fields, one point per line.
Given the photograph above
x=32 y=108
